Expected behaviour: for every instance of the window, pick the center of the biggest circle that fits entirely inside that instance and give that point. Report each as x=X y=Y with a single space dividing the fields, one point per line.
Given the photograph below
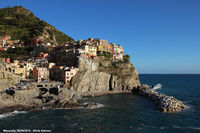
x=67 y=77
x=39 y=85
x=71 y=73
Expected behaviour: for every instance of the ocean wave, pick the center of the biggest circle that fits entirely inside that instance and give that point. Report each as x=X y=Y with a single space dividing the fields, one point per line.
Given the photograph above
x=11 y=114
x=157 y=86
x=188 y=107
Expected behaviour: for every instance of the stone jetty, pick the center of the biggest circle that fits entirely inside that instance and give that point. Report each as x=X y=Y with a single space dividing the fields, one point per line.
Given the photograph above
x=164 y=103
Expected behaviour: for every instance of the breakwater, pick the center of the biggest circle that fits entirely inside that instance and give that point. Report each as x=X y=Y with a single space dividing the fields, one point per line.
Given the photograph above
x=164 y=103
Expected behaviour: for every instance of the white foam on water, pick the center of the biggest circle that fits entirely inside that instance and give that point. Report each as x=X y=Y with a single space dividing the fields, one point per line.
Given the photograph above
x=11 y=114
x=157 y=86
x=98 y=105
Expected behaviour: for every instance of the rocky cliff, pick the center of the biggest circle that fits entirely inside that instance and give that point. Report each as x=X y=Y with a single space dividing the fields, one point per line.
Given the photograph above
x=7 y=79
x=108 y=77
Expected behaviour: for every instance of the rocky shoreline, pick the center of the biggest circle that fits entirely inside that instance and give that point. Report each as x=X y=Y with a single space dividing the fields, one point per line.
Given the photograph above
x=164 y=103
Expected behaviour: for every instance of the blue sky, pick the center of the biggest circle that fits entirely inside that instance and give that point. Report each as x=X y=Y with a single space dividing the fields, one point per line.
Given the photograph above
x=162 y=36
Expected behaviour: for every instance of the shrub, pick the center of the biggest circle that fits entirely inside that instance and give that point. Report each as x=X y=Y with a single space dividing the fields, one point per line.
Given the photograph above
x=126 y=58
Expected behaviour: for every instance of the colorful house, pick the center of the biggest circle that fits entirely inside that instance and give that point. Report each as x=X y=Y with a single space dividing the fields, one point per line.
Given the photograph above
x=109 y=48
x=87 y=49
x=41 y=74
x=102 y=44
x=92 y=50
x=68 y=74
x=118 y=52
x=83 y=49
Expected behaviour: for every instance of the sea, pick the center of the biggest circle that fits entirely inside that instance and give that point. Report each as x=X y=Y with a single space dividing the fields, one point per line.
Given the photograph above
x=119 y=113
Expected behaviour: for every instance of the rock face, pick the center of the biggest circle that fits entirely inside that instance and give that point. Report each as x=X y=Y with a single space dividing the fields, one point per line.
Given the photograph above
x=107 y=77
x=7 y=80
x=33 y=99
x=163 y=102
x=90 y=82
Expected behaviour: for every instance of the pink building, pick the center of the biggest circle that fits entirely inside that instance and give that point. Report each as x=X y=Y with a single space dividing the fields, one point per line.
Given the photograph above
x=5 y=60
x=6 y=38
x=68 y=74
x=41 y=74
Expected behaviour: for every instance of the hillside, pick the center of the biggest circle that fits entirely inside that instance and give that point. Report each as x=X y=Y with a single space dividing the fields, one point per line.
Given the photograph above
x=21 y=23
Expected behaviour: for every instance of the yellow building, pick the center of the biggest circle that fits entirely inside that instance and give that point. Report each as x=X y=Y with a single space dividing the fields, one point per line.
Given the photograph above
x=101 y=48
x=19 y=71
x=102 y=45
x=92 y=50
x=22 y=71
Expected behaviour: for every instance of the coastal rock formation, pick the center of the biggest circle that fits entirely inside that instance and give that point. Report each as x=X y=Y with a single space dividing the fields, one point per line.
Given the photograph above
x=8 y=79
x=163 y=102
x=91 y=82
x=108 y=77
x=33 y=99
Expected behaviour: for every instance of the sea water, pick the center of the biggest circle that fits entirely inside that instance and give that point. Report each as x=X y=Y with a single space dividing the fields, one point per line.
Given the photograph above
x=121 y=113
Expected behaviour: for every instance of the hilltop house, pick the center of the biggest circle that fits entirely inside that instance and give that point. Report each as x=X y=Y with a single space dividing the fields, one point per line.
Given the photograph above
x=92 y=50
x=118 y=52
x=101 y=44
x=88 y=49
x=109 y=48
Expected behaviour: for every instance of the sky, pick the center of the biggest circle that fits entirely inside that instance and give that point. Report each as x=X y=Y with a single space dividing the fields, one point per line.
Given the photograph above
x=161 y=36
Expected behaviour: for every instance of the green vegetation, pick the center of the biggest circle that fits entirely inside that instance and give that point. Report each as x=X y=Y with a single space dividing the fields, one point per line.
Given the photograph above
x=121 y=68
x=106 y=54
x=20 y=23
x=16 y=53
x=126 y=58
x=31 y=76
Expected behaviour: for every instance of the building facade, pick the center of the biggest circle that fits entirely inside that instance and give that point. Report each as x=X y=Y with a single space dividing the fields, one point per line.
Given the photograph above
x=68 y=74
x=118 y=52
x=41 y=74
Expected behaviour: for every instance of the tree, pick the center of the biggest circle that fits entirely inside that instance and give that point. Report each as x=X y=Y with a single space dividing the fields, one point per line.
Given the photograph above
x=127 y=58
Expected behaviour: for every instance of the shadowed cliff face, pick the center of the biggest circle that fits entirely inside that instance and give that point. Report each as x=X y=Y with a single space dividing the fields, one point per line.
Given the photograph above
x=107 y=78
